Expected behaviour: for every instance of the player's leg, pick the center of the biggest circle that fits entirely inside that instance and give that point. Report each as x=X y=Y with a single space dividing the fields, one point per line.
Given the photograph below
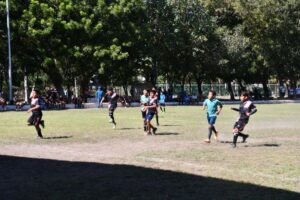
x=37 y=125
x=144 y=121
x=111 y=115
x=213 y=122
x=30 y=120
x=157 y=118
x=149 y=117
x=235 y=133
x=244 y=136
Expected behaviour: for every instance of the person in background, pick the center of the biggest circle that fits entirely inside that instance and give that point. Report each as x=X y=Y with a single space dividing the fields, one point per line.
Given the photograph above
x=99 y=95
x=144 y=101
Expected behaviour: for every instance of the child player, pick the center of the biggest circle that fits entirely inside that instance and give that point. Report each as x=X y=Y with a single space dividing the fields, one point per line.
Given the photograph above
x=144 y=101
x=247 y=108
x=112 y=99
x=214 y=107
x=36 y=110
x=151 y=110
x=162 y=102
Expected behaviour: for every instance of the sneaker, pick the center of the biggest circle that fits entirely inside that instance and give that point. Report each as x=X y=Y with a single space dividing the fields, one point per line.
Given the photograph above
x=114 y=126
x=154 y=131
x=43 y=123
x=245 y=138
x=207 y=141
x=233 y=145
x=216 y=136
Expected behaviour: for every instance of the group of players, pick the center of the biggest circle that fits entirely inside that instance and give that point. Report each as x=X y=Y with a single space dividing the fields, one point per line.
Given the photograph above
x=150 y=101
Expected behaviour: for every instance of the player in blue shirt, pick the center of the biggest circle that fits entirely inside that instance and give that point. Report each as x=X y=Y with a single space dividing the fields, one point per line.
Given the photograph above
x=99 y=96
x=162 y=102
x=214 y=107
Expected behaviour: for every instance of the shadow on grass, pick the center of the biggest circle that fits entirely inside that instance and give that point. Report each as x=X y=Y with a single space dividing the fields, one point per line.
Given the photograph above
x=124 y=129
x=263 y=145
x=167 y=133
x=35 y=179
x=57 y=137
x=167 y=125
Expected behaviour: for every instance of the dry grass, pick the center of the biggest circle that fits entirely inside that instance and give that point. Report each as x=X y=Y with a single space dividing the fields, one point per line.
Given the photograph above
x=269 y=159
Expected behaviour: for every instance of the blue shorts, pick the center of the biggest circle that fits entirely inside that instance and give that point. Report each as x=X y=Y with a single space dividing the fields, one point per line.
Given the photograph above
x=149 y=116
x=211 y=119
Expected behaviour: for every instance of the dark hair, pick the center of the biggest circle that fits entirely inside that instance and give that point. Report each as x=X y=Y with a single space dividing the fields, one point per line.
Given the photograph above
x=36 y=91
x=245 y=94
x=153 y=91
x=110 y=89
x=213 y=92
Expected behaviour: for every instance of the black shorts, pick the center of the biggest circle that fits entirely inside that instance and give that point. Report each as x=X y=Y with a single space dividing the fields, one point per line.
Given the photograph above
x=35 y=118
x=112 y=108
x=143 y=115
x=240 y=124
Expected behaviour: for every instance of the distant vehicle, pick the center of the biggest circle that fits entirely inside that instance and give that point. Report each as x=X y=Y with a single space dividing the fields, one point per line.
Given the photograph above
x=298 y=92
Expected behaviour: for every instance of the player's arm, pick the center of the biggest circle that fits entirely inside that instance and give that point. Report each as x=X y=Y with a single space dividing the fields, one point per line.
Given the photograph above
x=152 y=106
x=33 y=108
x=252 y=110
x=204 y=105
x=220 y=108
x=101 y=102
x=235 y=109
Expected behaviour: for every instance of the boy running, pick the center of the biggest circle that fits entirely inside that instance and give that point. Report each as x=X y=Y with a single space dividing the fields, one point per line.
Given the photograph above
x=112 y=99
x=144 y=101
x=214 y=107
x=151 y=110
x=36 y=117
x=247 y=108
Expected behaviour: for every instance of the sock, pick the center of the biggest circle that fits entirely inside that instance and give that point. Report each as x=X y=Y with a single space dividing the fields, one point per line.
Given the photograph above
x=209 y=133
x=235 y=137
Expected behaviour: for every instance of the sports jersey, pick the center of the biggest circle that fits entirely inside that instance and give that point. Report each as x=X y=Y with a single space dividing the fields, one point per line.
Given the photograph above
x=246 y=107
x=112 y=100
x=212 y=106
x=162 y=99
x=36 y=102
x=152 y=102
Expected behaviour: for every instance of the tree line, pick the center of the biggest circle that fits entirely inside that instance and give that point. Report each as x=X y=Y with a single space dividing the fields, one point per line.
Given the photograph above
x=178 y=41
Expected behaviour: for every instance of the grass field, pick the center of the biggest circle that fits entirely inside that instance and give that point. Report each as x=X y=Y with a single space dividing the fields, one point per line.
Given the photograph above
x=83 y=158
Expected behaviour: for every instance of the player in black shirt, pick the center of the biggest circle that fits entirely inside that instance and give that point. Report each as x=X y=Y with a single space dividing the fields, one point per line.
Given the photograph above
x=112 y=99
x=36 y=117
x=246 y=109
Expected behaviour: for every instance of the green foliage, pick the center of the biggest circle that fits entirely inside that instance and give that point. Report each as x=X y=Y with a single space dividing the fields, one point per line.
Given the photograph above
x=181 y=41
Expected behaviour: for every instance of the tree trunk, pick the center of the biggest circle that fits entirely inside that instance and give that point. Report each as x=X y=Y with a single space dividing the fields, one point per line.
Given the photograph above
x=229 y=88
x=125 y=88
x=199 y=86
x=266 y=90
x=26 y=87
